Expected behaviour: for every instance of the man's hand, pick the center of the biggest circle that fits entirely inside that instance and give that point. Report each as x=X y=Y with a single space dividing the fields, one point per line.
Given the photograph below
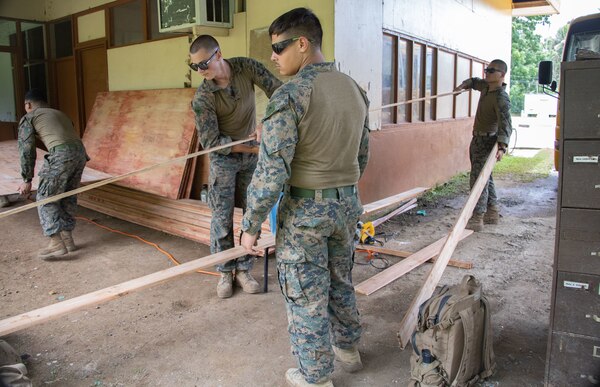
x=462 y=86
x=259 y=131
x=248 y=241
x=25 y=188
x=500 y=153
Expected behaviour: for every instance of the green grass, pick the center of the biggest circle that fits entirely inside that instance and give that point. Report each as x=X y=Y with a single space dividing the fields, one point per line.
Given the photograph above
x=515 y=168
x=525 y=169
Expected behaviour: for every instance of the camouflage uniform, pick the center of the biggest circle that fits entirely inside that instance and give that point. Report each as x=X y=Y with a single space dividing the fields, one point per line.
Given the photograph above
x=314 y=235
x=223 y=116
x=492 y=125
x=62 y=169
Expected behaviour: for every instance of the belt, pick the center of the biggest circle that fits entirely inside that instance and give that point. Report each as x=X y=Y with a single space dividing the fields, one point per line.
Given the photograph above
x=485 y=134
x=68 y=145
x=327 y=193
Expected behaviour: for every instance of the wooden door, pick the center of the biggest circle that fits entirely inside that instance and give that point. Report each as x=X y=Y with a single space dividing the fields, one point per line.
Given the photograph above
x=93 y=70
x=66 y=89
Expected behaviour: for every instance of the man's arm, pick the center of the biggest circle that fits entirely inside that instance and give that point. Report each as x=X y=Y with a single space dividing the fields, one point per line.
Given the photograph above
x=27 y=151
x=274 y=159
x=207 y=124
x=471 y=83
x=504 y=122
x=363 y=150
x=262 y=77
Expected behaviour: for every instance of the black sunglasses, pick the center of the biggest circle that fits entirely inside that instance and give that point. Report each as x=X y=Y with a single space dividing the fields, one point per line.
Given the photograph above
x=204 y=64
x=280 y=46
x=491 y=70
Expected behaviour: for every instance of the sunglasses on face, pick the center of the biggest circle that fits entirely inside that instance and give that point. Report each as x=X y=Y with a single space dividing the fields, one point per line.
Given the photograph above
x=280 y=46
x=491 y=70
x=204 y=64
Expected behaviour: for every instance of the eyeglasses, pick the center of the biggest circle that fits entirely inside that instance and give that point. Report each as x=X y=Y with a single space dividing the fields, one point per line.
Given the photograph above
x=204 y=64
x=491 y=70
x=280 y=46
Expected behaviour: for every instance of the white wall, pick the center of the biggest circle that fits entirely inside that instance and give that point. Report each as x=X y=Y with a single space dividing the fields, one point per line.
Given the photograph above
x=481 y=28
x=358 y=46
x=7 y=97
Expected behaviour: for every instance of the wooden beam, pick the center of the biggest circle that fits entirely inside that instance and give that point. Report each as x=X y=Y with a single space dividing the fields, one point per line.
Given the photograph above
x=406 y=254
x=412 y=203
x=26 y=320
x=394 y=272
x=371 y=209
x=409 y=322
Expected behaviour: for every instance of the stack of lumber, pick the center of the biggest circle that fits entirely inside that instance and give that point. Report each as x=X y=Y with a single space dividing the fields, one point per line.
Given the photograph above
x=186 y=218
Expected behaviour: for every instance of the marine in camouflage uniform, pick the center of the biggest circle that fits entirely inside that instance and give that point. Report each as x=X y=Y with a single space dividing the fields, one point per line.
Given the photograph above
x=492 y=125
x=226 y=114
x=61 y=171
x=314 y=148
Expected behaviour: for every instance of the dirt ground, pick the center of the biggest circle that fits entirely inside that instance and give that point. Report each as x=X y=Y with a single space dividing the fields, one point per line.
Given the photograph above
x=180 y=334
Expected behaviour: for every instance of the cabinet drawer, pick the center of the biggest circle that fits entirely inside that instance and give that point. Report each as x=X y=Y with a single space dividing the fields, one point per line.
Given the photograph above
x=577 y=304
x=574 y=361
x=579 y=241
x=581 y=174
x=581 y=115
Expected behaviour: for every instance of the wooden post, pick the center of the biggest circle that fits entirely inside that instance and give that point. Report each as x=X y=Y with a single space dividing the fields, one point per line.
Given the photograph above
x=409 y=322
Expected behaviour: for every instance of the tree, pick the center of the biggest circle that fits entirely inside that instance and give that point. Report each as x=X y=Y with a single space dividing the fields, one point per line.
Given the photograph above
x=527 y=52
x=553 y=48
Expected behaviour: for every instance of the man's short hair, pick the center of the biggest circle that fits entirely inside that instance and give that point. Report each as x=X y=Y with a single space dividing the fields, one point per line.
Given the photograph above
x=500 y=64
x=36 y=95
x=205 y=42
x=298 y=22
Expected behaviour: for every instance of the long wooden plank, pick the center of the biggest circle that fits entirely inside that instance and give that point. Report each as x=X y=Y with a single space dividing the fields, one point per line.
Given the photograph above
x=409 y=321
x=26 y=320
x=406 y=254
x=405 y=207
x=394 y=272
x=387 y=203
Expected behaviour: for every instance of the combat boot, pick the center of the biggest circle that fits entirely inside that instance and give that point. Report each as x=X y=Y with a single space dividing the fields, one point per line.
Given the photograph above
x=492 y=216
x=56 y=248
x=225 y=285
x=244 y=280
x=67 y=237
x=476 y=222
x=350 y=358
x=294 y=378
x=4 y=202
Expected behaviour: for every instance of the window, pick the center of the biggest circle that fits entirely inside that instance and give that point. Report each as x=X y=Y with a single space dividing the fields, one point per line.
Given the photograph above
x=34 y=56
x=417 y=82
x=61 y=38
x=8 y=33
x=127 y=25
x=388 y=79
x=414 y=70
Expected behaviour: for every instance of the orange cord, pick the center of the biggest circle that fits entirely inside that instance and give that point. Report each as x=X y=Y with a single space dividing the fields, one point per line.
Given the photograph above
x=157 y=247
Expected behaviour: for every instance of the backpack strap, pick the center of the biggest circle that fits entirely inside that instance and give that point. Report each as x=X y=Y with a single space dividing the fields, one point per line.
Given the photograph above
x=466 y=317
x=489 y=363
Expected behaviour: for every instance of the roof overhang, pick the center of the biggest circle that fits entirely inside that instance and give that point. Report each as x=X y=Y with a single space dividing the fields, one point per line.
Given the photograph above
x=535 y=7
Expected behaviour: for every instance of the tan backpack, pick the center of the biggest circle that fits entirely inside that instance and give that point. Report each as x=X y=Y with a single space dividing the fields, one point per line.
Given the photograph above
x=12 y=369
x=454 y=330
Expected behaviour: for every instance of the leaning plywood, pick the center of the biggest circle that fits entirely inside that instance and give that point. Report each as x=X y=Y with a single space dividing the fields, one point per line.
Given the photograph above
x=410 y=319
x=10 y=169
x=130 y=130
x=25 y=320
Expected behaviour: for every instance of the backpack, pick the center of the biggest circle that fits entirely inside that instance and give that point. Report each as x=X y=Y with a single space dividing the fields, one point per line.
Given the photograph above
x=12 y=369
x=452 y=342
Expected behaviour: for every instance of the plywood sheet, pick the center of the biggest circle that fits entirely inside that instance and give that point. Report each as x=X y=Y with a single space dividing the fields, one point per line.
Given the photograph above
x=10 y=169
x=130 y=130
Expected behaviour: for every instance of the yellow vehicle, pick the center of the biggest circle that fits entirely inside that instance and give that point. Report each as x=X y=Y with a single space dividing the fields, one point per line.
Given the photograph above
x=582 y=42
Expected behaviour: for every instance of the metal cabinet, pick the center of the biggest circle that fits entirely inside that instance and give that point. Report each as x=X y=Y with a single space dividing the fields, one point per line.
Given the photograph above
x=573 y=357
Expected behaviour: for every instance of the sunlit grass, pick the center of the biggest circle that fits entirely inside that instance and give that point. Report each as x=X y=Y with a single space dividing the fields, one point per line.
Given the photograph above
x=515 y=168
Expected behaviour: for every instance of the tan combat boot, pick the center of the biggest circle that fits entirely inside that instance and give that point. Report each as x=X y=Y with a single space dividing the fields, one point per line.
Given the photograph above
x=476 y=222
x=244 y=280
x=4 y=201
x=56 y=248
x=294 y=378
x=350 y=358
x=492 y=216
x=225 y=285
x=67 y=237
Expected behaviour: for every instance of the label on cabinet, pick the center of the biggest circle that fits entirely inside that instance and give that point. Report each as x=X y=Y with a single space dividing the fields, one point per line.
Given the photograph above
x=576 y=285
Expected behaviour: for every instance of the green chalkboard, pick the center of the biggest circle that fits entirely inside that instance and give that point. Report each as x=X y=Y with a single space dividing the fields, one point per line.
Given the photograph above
x=174 y=14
